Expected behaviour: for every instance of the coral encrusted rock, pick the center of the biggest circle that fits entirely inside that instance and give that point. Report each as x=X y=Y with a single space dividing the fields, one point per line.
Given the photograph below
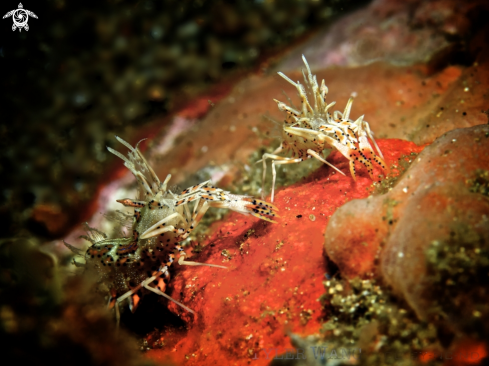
x=429 y=233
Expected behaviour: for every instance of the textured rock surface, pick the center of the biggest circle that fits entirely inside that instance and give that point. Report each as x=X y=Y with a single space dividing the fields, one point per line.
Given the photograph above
x=396 y=32
x=398 y=102
x=438 y=208
x=445 y=208
x=416 y=103
x=275 y=275
x=275 y=271
x=409 y=103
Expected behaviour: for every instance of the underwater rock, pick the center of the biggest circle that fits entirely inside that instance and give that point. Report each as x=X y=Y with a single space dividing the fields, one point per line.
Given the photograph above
x=395 y=32
x=354 y=237
x=357 y=229
x=220 y=130
x=410 y=103
x=437 y=254
x=274 y=278
x=432 y=236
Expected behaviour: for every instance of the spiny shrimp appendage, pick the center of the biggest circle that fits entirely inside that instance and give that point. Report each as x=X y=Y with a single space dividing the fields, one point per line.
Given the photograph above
x=313 y=128
x=131 y=266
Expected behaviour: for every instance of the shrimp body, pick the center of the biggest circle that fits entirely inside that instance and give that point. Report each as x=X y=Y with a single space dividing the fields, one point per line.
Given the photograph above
x=313 y=128
x=132 y=266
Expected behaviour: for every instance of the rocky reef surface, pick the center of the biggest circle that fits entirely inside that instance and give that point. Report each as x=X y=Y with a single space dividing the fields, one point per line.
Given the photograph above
x=396 y=269
x=274 y=278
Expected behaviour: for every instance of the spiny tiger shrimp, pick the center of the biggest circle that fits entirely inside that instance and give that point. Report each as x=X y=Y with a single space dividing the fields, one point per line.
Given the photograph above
x=131 y=266
x=308 y=131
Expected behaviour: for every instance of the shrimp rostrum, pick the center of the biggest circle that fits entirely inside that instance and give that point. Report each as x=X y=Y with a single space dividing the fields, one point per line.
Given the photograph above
x=313 y=128
x=131 y=266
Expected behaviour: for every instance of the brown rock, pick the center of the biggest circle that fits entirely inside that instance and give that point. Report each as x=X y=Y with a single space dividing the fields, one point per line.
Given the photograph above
x=411 y=103
x=436 y=256
x=395 y=32
x=433 y=227
x=354 y=235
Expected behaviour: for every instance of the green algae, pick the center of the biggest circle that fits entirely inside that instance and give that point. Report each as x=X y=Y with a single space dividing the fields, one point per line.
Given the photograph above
x=396 y=172
x=366 y=315
x=458 y=276
x=252 y=173
x=389 y=216
x=363 y=314
x=480 y=182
